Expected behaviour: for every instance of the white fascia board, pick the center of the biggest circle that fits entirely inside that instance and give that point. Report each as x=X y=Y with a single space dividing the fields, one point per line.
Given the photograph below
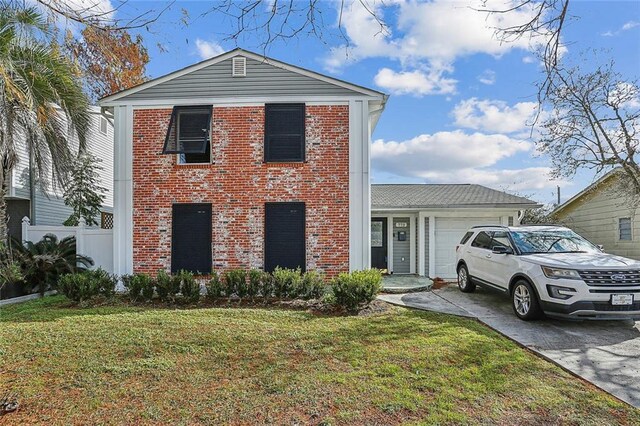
x=110 y=100
x=237 y=100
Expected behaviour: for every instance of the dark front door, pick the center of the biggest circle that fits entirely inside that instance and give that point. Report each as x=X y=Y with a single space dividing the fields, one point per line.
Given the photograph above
x=191 y=238
x=379 y=242
x=284 y=240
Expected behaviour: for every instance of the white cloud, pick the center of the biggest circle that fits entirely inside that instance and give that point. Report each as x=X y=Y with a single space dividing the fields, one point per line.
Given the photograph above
x=494 y=115
x=430 y=35
x=526 y=179
x=459 y=157
x=487 y=77
x=625 y=27
x=91 y=8
x=415 y=83
x=528 y=59
x=444 y=151
x=208 y=49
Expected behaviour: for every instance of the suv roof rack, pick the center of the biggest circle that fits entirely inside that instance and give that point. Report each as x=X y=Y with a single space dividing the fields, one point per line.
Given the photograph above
x=489 y=226
x=544 y=224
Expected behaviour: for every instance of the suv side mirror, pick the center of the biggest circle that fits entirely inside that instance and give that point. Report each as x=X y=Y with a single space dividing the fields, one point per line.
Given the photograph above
x=502 y=250
x=601 y=247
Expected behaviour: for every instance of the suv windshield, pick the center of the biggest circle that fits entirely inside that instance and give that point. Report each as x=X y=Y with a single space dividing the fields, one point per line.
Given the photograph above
x=551 y=241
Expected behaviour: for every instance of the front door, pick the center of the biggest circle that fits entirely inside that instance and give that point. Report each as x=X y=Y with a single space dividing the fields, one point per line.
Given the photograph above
x=379 y=242
x=191 y=238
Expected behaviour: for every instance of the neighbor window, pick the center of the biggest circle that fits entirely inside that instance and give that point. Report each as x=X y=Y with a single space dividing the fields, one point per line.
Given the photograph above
x=103 y=125
x=624 y=229
x=189 y=134
x=284 y=132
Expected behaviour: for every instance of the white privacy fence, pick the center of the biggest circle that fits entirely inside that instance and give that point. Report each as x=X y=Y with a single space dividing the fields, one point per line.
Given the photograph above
x=95 y=243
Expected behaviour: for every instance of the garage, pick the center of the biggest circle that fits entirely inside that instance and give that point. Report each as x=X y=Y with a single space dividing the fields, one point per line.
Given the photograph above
x=425 y=222
x=448 y=233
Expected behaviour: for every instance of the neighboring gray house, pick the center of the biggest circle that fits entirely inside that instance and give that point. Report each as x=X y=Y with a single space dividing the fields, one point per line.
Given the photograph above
x=601 y=214
x=415 y=227
x=25 y=198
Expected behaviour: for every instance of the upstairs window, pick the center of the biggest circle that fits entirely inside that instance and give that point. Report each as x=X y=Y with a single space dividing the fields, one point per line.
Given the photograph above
x=284 y=132
x=189 y=134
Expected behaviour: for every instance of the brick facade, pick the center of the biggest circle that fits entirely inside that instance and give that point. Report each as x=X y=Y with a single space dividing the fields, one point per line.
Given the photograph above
x=238 y=183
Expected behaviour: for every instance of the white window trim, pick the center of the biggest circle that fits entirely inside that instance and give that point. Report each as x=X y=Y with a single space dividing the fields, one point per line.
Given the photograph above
x=179 y=156
x=106 y=125
x=618 y=229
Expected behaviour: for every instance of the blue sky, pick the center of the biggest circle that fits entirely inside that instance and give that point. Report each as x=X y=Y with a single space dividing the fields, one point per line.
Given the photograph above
x=460 y=100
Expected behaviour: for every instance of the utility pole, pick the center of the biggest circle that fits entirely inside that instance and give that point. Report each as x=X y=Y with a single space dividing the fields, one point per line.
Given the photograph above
x=558 y=192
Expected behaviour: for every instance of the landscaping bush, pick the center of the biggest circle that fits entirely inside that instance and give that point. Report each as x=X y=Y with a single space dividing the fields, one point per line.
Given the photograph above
x=350 y=290
x=82 y=286
x=189 y=287
x=256 y=280
x=215 y=287
x=140 y=287
x=167 y=286
x=313 y=286
x=287 y=282
x=236 y=282
x=267 y=286
x=43 y=262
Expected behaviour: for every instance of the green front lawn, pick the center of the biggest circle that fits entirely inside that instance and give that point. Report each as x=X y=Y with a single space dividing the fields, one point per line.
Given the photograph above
x=133 y=365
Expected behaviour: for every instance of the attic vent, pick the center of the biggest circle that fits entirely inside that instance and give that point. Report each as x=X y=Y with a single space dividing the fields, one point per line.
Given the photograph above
x=239 y=66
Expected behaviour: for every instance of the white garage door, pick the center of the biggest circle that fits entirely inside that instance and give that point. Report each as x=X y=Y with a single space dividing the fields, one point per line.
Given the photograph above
x=448 y=233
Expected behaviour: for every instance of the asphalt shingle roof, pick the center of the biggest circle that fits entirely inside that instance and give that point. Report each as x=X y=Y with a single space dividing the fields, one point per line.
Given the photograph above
x=441 y=195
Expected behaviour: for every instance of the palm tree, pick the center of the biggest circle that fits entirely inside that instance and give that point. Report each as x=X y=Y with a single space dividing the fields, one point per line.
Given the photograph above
x=41 y=102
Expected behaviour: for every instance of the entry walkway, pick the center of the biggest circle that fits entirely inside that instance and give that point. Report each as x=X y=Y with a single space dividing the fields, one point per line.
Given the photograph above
x=405 y=283
x=605 y=353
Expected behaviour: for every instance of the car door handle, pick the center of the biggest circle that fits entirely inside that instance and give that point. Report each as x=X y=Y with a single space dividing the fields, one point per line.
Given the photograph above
x=488 y=256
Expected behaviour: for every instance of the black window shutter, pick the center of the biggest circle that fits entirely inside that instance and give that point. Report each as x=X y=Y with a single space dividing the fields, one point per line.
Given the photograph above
x=191 y=238
x=284 y=132
x=284 y=235
x=189 y=130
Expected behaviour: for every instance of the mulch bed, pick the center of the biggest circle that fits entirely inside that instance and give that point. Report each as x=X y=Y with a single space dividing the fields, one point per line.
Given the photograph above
x=316 y=307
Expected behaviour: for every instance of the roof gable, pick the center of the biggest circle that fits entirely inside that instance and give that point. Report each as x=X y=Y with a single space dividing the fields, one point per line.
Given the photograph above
x=265 y=77
x=443 y=196
x=596 y=186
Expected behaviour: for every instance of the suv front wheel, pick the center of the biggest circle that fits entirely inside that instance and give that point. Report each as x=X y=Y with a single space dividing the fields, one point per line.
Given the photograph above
x=525 y=302
x=464 y=281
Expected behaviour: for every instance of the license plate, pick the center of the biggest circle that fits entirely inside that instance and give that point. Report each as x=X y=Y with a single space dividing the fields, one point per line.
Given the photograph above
x=622 y=299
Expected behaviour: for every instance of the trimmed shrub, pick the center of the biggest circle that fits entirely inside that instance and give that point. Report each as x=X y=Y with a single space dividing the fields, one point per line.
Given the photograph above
x=189 y=287
x=287 y=282
x=313 y=286
x=267 y=286
x=82 y=286
x=351 y=290
x=236 y=282
x=215 y=287
x=256 y=279
x=140 y=287
x=167 y=286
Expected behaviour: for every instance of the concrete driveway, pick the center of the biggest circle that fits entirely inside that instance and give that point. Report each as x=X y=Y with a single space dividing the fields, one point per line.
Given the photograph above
x=606 y=353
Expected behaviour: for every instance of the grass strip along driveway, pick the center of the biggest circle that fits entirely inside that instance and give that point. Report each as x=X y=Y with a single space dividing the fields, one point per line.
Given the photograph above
x=135 y=365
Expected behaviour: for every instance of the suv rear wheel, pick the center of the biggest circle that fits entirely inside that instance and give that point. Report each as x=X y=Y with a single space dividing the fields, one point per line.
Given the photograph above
x=464 y=281
x=525 y=301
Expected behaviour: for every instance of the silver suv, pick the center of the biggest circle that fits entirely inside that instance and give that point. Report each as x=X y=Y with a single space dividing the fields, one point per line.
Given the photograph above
x=551 y=270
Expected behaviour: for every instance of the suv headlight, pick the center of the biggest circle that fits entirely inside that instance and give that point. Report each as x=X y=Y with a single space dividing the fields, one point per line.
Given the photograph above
x=569 y=274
